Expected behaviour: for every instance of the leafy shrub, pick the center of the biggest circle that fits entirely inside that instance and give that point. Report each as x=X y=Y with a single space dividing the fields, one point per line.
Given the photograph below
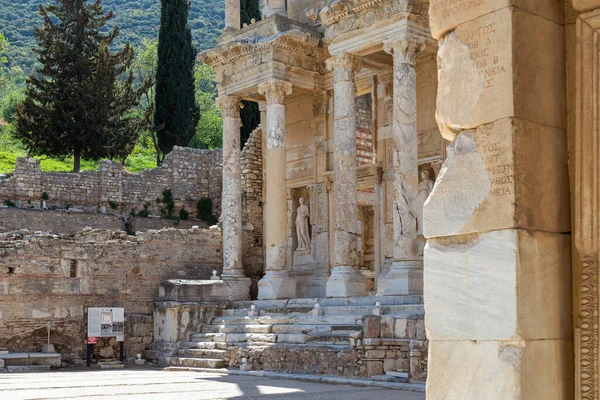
x=204 y=211
x=184 y=214
x=113 y=205
x=45 y=196
x=9 y=203
x=169 y=204
x=144 y=213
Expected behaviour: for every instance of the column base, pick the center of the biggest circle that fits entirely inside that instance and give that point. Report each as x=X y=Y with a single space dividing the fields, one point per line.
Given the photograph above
x=381 y=281
x=227 y=33
x=269 y=12
x=238 y=286
x=346 y=281
x=276 y=285
x=404 y=277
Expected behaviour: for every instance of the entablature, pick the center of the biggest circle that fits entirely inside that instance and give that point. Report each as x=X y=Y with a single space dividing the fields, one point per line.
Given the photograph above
x=354 y=17
x=276 y=48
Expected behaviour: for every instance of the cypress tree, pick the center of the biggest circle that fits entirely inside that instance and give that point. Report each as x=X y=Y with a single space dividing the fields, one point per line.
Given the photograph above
x=177 y=112
x=249 y=10
x=81 y=100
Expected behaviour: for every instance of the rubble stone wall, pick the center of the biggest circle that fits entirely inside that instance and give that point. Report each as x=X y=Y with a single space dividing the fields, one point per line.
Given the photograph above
x=252 y=191
x=191 y=174
x=47 y=278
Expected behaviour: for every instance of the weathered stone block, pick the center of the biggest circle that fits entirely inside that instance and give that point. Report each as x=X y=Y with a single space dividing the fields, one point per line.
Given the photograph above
x=505 y=285
x=447 y=15
x=371 y=326
x=520 y=370
x=387 y=326
x=374 y=368
x=477 y=84
x=400 y=328
x=487 y=182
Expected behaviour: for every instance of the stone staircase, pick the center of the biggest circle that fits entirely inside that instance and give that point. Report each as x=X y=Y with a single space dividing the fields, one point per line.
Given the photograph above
x=334 y=326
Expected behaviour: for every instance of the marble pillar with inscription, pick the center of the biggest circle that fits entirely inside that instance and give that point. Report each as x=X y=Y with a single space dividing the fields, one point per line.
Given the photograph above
x=231 y=201
x=345 y=279
x=276 y=284
x=497 y=270
x=406 y=272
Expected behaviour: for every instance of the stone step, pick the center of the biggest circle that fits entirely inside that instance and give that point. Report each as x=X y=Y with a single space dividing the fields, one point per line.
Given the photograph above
x=195 y=362
x=236 y=328
x=203 y=353
x=250 y=337
x=336 y=301
x=27 y=368
x=203 y=345
x=328 y=338
x=295 y=329
x=368 y=310
x=329 y=310
x=239 y=320
x=290 y=311
x=328 y=320
x=207 y=337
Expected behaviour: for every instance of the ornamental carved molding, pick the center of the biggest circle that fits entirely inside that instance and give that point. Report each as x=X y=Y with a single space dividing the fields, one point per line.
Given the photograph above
x=229 y=105
x=344 y=16
x=587 y=364
x=344 y=66
x=275 y=91
x=585 y=205
x=320 y=104
x=405 y=48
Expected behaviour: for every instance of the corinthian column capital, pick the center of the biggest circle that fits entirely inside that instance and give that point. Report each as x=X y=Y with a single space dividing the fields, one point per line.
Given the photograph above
x=344 y=66
x=275 y=91
x=405 y=47
x=229 y=105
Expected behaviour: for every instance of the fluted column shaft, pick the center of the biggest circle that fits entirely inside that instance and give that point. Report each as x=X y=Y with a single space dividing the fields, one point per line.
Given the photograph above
x=406 y=274
x=345 y=279
x=276 y=284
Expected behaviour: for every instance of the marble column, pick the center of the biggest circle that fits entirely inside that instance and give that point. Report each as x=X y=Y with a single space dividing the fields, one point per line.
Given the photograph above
x=232 y=16
x=276 y=284
x=345 y=279
x=275 y=7
x=406 y=273
x=231 y=201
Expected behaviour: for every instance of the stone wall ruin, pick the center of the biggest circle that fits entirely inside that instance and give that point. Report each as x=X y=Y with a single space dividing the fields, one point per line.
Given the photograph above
x=47 y=278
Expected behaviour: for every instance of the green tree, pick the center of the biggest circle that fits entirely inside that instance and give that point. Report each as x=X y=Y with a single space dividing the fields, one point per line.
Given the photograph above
x=177 y=113
x=3 y=61
x=145 y=64
x=81 y=100
x=209 y=131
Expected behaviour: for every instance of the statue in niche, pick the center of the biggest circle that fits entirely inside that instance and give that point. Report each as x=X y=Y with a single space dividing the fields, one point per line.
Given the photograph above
x=425 y=188
x=302 y=232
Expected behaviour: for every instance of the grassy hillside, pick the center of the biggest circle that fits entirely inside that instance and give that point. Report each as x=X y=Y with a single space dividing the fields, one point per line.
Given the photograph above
x=137 y=19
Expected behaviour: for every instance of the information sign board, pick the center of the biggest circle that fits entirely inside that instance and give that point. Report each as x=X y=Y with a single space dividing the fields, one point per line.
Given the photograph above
x=106 y=322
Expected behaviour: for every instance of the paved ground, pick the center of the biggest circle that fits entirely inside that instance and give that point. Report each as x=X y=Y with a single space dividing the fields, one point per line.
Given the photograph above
x=164 y=385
